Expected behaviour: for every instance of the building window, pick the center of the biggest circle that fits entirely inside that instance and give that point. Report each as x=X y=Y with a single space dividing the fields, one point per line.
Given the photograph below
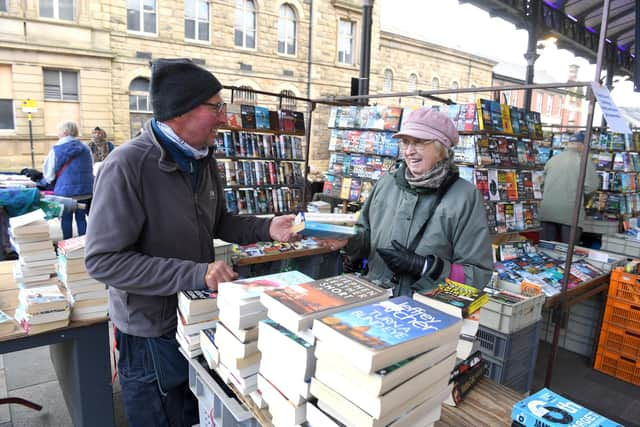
x=139 y=95
x=245 y=28
x=454 y=86
x=549 y=105
x=61 y=85
x=387 y=83
x=288 y=99
x=141 y=16
x=435 y=83
x=196 y=20
x=539 y=103
x=346 y=32
x=56 y=9
x=412 y=84
x=287 y=30
x=7 y=114
x=3 y=5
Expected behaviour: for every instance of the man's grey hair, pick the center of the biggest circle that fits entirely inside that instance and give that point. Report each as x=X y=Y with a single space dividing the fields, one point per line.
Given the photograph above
x=68 y=128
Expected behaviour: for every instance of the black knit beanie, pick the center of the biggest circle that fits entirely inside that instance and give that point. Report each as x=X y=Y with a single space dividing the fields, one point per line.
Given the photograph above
x=178 y=86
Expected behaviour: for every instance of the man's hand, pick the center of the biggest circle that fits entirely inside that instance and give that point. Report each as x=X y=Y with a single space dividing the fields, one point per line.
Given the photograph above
x=280 y=228
x=218 y=272
x=401 y=260
x=334 y=244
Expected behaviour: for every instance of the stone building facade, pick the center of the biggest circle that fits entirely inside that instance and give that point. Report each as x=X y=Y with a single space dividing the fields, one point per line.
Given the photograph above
x=88 y=61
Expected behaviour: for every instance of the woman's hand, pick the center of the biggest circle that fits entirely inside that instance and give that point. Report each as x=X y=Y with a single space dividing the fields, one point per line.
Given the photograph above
x=401 y=260
x=334 y=244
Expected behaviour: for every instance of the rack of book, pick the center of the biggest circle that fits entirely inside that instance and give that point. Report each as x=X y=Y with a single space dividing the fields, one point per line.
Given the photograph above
x=362 y=149
x=261 y=157
x=502 y=153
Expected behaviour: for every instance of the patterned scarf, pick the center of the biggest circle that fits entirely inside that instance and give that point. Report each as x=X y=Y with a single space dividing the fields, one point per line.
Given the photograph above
x=181 y=144
x=434 y=177
x=100 y=150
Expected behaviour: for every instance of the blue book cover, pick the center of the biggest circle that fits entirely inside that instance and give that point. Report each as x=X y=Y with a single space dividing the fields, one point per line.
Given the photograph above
x=262 y=118
x=389 y=323
x=546 y=408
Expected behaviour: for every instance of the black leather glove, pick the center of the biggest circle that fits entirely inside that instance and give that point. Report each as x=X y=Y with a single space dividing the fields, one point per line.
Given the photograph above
x=351 y=266
x=401 y=260
x=34 y=174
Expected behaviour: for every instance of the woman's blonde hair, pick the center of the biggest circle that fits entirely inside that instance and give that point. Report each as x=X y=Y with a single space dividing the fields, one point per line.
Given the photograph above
x=443 y=150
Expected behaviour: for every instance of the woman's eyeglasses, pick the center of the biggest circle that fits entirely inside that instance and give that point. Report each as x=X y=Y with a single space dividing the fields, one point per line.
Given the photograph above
x=418 y=145
x=219 y=107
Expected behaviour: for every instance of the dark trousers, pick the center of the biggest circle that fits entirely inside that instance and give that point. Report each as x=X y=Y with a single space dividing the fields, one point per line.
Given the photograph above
x=558 y=232
x=66 y=223
x=155 y=382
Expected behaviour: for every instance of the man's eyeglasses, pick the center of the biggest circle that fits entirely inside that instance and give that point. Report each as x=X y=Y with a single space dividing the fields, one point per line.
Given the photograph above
x=219 y=107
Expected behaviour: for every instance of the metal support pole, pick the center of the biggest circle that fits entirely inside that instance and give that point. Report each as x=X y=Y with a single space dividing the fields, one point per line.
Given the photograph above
x=311 y=107
x=532 y=55
x=365 y=52
x=636 y=61
x=33 y=158
x=562 y=309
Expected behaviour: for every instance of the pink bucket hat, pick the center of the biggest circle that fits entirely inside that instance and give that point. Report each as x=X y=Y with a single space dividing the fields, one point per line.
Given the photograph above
x=427 y=123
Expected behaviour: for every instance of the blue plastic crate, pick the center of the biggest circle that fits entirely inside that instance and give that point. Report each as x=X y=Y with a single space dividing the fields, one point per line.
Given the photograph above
x=501 y=346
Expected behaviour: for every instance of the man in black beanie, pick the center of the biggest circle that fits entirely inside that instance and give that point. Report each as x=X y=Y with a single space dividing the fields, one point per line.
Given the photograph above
x=161 y=204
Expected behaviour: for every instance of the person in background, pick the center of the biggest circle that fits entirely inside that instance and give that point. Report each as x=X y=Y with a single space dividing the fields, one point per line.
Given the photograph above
x=559 y=189
x=422 y=223
x=69 y=169
x=100 y=147
x=161 y=204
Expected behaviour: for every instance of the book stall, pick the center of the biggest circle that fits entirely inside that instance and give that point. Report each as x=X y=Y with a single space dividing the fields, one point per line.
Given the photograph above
x=289 y=349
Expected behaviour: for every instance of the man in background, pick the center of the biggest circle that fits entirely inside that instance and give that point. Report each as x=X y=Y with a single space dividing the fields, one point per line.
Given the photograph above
x=161 y=204
x=559 y=189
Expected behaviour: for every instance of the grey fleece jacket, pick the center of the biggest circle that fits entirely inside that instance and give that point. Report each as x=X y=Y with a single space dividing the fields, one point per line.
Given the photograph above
x=457 y=233
x=151 y=236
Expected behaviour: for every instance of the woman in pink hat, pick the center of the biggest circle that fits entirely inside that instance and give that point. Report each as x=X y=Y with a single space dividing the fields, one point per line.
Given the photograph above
x=422 y=223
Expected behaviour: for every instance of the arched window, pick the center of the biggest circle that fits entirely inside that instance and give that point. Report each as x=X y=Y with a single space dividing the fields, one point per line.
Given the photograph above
x=139 y=104
x=139 y=95
x=245 y=95
x=288 y=99
x=412 y=84
x=387 y=84
x=435 y=83
x=245 y=24
x=454 y=86
x=287 y=30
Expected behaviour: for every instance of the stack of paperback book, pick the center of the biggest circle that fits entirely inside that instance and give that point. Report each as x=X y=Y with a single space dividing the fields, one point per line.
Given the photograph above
x=236 y=336
x=30 y=237
x=87 y=296
x=286 y=340
x=42 y=308
x=197 y=310
x=386 y=363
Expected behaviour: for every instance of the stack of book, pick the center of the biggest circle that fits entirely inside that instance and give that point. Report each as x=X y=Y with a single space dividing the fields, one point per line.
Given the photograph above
x=197 y=310
x=236 y=336
x=30 y=237
x=87 y=296
x=462 y=301
x=42 y=309
x=285 y=375
x=386 y=363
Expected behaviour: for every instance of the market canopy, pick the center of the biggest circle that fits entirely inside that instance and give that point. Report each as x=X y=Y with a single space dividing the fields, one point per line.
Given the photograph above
x=576 y=24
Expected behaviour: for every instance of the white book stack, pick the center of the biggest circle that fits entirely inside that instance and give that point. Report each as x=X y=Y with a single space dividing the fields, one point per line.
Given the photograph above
x=42 y=309
x=36 y=257
x=197 y=310
x=383 y=364
x=286 y=369
x=237 y=333
x=88 y=297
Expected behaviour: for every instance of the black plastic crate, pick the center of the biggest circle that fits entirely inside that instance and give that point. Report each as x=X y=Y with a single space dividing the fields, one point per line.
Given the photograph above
x=502 y=347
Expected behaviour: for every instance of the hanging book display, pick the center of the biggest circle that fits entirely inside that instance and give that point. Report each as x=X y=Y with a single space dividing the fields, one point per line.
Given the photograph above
x=361 y=148
x=261 y=157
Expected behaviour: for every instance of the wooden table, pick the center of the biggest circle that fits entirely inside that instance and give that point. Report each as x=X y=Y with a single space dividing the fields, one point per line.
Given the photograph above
x=487 y=404
x=279 y=256
x=581 y=293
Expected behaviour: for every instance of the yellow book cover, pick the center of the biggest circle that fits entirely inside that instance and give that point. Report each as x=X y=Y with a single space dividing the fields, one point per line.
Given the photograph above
x=506 y=119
